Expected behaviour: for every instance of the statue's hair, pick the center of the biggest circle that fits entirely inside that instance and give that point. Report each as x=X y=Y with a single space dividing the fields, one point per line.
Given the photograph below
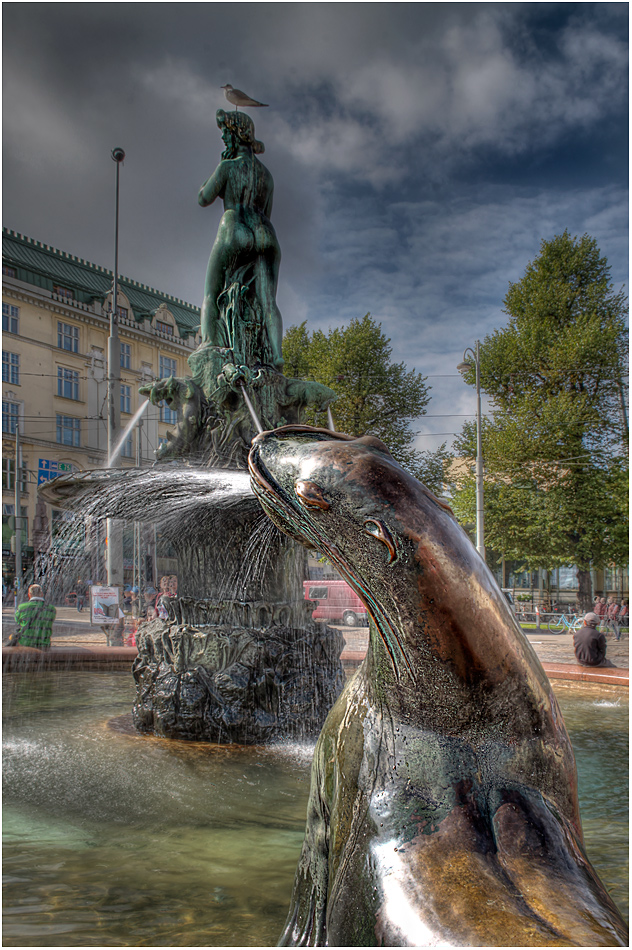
x=242 y=128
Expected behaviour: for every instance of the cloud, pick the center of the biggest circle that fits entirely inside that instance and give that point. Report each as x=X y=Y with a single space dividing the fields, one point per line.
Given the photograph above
x=435 y=274
x=420 y=151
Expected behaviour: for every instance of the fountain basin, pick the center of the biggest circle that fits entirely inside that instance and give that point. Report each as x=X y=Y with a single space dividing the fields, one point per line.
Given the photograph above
x=118 y=839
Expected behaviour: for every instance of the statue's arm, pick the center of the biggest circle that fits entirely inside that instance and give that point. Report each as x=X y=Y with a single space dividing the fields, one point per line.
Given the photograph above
x=213 y=187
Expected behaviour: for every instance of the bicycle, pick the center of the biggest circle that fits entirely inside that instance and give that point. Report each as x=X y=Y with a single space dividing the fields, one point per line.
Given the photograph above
x=567 y=624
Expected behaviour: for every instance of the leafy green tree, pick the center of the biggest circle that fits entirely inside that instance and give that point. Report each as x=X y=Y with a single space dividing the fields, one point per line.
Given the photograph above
x=375 y=396
x=555 y=443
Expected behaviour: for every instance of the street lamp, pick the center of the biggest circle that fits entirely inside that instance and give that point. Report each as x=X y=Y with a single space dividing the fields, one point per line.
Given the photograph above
x=114 y=556
x=114 y=349
x=471 y=358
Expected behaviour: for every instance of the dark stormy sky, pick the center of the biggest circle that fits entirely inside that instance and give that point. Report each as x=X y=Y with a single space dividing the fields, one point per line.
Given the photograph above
x=420 y=151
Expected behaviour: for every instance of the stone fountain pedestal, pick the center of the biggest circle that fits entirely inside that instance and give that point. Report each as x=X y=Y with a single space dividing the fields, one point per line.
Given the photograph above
x=249 y=668
x=266 y=676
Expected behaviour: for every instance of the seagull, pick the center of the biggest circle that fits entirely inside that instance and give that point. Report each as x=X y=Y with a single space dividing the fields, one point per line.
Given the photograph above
x=239 y=98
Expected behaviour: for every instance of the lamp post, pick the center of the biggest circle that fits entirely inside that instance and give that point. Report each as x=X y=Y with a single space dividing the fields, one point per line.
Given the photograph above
x=114 y=557
x=471 y=358
x=19 y=593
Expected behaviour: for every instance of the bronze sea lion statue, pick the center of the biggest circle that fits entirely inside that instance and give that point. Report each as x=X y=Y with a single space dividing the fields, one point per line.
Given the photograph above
x=443 y=806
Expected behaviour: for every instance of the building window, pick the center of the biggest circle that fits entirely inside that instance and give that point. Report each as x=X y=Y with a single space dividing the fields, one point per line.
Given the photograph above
x=8 y=475
x=164 y=327
x=8 y=271
x=63 y=292
x=10 y=317
x=68 y=337
x=126 y=355
x=168 y=415
x=121 y=313
x=10 y=368
x=564 y=578
x=10 y=415
x=168 y=367
x=68 y=430
x=126 y=398
x=127 y=450
x=67 y=383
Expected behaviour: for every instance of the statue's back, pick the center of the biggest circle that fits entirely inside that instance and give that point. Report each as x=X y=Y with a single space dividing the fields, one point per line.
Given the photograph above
x=249 y=184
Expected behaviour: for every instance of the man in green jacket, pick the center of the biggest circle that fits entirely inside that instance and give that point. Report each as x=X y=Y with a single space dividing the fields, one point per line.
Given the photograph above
x=33 y=621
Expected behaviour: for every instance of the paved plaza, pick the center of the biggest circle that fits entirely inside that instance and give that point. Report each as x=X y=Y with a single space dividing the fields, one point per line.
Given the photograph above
x=72 y=628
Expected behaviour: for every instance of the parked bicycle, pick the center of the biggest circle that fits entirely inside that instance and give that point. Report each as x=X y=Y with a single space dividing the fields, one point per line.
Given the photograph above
x=566 y=623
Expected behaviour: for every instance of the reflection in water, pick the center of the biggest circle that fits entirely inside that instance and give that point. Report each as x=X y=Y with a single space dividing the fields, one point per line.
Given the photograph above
x=113 y=839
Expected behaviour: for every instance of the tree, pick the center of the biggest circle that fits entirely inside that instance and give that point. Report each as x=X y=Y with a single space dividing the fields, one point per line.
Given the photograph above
x=555 y=443
x=375 y=396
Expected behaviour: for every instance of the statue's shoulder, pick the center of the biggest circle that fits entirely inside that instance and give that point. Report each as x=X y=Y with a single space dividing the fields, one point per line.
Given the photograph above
x=262 y=168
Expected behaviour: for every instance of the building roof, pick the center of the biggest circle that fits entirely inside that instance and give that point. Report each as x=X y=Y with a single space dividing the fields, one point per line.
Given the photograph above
x=44 y=266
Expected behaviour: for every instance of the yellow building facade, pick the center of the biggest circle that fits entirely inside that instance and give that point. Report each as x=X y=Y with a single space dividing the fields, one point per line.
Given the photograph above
x=55 y=321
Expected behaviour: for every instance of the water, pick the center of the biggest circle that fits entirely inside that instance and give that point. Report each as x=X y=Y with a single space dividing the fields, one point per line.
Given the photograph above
x=251 y=409
x=128 y=428
x=168 y=496
x=115 y=840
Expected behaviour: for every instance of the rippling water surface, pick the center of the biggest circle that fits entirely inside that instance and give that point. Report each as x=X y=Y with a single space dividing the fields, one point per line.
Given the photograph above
x=117 y=840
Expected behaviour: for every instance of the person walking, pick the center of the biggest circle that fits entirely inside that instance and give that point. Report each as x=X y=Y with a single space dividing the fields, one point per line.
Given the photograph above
x=600 y=609
x=33 y=621
x=81 y=590
x=624 y=614
x=612 y=614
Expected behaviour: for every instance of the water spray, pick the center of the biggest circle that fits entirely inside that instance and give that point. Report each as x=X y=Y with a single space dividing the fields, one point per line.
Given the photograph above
x=330 y=419
x=251 y=408
x=128 y=428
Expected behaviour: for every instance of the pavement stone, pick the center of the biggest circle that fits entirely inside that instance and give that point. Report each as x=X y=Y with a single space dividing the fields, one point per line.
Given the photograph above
x=550 y=647
x=75 y=628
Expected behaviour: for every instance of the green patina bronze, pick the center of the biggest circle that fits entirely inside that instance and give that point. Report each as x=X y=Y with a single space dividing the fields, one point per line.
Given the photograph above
x=241 y=325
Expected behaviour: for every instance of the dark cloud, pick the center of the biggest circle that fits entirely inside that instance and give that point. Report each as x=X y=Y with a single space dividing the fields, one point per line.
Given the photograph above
x=420 y=151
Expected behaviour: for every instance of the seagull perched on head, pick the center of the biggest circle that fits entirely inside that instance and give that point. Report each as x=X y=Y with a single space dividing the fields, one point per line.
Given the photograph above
x=239 y=98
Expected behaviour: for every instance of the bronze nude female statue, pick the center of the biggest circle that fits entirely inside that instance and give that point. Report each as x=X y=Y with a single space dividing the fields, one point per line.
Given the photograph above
x=246 y=238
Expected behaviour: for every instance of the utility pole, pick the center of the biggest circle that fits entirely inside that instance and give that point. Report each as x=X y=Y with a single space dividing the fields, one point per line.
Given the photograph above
x=114 y=556
x=19 y=593
x=471 y=358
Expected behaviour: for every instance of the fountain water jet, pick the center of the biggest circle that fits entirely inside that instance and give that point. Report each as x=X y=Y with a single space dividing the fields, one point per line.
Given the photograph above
x=126 y=431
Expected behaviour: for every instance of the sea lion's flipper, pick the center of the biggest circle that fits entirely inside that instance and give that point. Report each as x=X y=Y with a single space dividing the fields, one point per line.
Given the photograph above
x=305 y=926
x=539 y=851
x=306 y=923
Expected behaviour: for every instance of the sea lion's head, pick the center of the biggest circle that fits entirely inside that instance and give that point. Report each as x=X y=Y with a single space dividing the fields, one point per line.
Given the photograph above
x=384 y=531
x=333 y=492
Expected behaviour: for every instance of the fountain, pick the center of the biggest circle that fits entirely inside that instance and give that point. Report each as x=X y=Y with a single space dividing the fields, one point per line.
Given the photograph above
x=444 y=805
x=239 y=658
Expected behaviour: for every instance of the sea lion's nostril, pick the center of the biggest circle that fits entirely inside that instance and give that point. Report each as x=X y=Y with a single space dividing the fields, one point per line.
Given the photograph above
x=310 y=495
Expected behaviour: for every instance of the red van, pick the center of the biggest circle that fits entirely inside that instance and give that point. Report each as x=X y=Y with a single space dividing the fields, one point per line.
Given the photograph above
x=336 y=601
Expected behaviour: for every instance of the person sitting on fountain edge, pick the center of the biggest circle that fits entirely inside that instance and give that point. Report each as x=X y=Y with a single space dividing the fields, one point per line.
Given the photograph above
x=33 y=621
x=590 y=644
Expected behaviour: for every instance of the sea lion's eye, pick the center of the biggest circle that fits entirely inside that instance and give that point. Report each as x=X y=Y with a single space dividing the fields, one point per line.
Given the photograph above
x=379 y=530
x=310 y=495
